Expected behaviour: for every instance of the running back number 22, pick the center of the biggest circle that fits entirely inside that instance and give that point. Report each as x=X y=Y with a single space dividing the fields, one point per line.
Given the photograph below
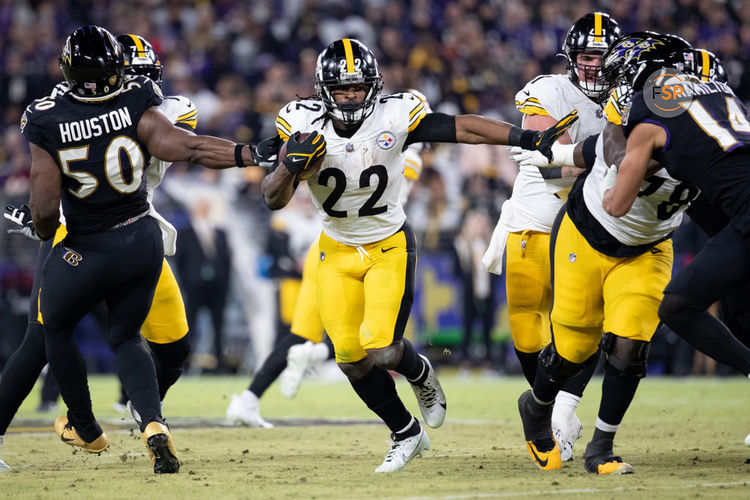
x=365 y=181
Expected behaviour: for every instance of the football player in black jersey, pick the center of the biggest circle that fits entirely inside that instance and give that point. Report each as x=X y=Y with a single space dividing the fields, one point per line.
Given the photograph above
x=91 y=139
x=166 y=326
x=708 y=146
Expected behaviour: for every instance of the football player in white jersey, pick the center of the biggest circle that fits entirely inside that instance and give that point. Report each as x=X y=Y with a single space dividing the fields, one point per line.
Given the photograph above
x=522 y=235
x=367 y=254
x=304 y=345
x=609 y=276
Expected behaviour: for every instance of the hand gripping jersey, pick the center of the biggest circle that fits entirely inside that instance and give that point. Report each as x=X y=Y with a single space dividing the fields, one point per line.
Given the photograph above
x=180 y=111
x=655 y=214
x=357 y=190
x=532 y=206
x=98 y=151
x=708 y=146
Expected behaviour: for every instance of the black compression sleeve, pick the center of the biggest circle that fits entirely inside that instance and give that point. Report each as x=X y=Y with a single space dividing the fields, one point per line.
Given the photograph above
x=551 y=172
x=589 y=151
x=434 y=127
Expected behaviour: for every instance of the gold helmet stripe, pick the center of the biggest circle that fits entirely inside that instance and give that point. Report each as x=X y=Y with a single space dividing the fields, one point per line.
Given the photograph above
x=706 y=66
x=597 y=26
x=349 y=55
x=140 y=49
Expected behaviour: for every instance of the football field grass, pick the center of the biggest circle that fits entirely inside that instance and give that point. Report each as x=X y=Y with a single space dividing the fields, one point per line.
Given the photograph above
x=684 y=437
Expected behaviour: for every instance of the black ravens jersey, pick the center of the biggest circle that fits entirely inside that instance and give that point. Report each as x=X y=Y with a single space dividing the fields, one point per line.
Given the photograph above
x=97 y=148
x=707 y=146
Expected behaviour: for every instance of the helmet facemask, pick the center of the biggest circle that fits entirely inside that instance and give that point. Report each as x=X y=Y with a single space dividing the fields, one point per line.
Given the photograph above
x=591 y=34
x=588 y=77
x=334 y=71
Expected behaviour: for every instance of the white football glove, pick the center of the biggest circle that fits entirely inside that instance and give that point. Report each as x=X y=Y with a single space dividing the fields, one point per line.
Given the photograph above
x=562 y=155
x=21 y=216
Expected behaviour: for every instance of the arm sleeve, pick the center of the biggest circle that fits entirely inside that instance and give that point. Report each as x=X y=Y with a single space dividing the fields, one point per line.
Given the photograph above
x=434 y=127
x=589 y=151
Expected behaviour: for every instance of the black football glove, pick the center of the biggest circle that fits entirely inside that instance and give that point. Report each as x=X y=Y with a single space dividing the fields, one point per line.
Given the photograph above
x=266 y=152
x=543 y=140
x=300 y=156
x=21 y=217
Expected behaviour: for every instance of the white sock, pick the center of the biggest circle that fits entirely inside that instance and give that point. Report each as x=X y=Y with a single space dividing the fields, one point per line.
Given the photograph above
x=604 y=426
x=566 y=402
x=319 y=352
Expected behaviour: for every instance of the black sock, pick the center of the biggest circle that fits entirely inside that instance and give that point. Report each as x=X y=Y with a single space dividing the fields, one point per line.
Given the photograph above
x=378 y=391
x=69 y=369
x=274 y=364
x=618 y=392
x=529 y=362
x=170 y=362
x=412 y=366
x=138 y=376
x=704 y=332
x=577 y=383
x=412 y=430
x=20 y=373
x=546 y=386
x=331 y=350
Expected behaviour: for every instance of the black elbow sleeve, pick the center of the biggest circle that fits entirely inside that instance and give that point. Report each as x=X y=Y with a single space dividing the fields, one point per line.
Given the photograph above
x=434 y=127
x=589 y=151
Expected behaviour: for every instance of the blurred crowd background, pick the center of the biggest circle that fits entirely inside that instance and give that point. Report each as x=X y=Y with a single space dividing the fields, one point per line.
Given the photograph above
x=240 y=61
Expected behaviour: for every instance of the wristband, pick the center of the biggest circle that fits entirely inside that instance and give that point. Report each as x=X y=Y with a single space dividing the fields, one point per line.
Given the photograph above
x=521 y=137
x=562 y=154
x=238 y=155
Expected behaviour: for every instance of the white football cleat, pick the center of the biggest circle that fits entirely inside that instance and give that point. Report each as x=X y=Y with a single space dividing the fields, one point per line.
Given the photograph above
x=747 y=440
x=431 y=397
x=567 y=429
x=3 y=466
x=298 y=360
x=244 y=409
x=403 y=451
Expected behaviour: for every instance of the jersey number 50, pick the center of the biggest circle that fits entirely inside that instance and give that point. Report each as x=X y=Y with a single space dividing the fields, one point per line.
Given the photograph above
x=112 y=167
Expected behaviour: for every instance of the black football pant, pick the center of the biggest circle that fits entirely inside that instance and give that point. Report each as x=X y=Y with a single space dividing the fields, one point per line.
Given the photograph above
x=122 y=268
x=721 y=268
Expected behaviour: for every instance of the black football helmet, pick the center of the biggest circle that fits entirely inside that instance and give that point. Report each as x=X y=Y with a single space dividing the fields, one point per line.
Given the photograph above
x=92 y=63
x=652 y=52
x=347 y=62
x=593 y=33
x=140 y=57
x=704 y=65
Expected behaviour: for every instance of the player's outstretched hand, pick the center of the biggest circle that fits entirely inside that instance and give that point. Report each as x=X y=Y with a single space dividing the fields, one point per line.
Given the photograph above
x=21 y=217
x=266 y=152
x=544 y=139
x=301 y=156
x=528 y=158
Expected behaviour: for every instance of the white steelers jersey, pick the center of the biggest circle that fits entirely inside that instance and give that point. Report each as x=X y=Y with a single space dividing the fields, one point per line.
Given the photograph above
x=656 y=212
x=180 y=111
x=533 y=206
x=357 y=190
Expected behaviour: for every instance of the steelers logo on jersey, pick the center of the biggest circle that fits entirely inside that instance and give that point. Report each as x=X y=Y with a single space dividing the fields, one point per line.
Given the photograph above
x=386 y=140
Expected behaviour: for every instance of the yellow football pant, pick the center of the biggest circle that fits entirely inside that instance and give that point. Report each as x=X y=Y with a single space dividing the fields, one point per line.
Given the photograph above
x=528 y=289
x=365 y=293
x=596 y=293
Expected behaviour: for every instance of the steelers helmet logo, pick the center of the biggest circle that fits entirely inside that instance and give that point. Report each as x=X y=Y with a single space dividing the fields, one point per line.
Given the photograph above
x=386 y=140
